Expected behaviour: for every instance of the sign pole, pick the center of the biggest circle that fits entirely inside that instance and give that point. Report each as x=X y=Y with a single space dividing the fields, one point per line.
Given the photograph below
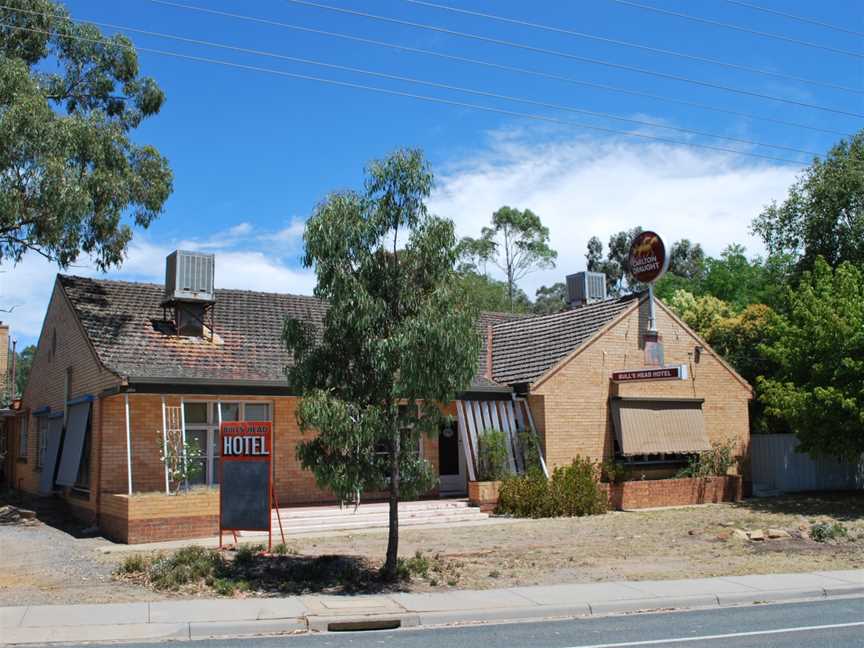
x=652 y=320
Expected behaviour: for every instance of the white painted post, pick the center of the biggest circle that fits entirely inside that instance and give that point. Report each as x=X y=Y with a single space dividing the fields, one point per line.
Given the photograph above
x=165 y=446
x=128 y=445
x=183 y=439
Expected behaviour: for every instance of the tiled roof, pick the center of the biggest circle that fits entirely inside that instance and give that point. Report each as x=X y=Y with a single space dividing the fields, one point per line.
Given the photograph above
x=525 y=349
x=125 y=324
x=123 y=319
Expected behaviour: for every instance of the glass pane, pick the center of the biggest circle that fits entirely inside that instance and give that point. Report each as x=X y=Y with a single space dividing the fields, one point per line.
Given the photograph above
x=230 y=411
x=195 y=412
x=215 y=474
x=257 y=412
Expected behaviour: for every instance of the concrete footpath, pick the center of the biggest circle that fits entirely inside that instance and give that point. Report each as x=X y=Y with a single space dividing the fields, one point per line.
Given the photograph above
x=205 y=618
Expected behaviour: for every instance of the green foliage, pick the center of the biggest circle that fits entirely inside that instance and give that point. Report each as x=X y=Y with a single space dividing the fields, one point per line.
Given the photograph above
x=181 y=459
x=187 y=566
x=825 y=531
x=492 y=464
x=132 y=564
x=614 y=265
x=823 y=214
x=715 y=462
x=517 y=243
x=613 y=472
x=23 y=363
x=417 y=565
x=529 y=445
x=818 y=385
x=488 y=294
x=69 y=100
x=550 y=300
x=398 y=329
x=572 y=490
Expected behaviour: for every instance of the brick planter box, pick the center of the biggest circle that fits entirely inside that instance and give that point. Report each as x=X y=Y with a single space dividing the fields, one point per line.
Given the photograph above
x=484 y=494
x=153 y=517
x=673 y=492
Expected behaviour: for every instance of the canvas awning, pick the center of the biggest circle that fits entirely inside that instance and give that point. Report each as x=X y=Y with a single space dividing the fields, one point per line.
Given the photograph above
x=73 y=443
x=659 y=426
x=52 y=449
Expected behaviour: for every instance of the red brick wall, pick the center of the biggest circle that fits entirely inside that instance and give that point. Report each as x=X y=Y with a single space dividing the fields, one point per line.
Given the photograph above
x=673 y=492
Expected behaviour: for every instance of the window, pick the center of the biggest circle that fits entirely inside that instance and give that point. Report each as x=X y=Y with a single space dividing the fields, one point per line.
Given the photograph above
x=202 y=430
x=22 y=437
x=42 y=441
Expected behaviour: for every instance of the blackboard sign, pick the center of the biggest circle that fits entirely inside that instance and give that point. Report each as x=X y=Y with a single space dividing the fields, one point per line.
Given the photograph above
x=245 y=490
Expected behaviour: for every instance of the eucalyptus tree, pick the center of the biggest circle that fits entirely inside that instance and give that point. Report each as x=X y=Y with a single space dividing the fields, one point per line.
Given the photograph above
x=71 y=179
x=399 y=338
x=517 y=243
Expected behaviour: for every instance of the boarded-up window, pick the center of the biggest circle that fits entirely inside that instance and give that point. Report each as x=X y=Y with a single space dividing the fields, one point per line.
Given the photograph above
x=73 y=444
x=53 y=435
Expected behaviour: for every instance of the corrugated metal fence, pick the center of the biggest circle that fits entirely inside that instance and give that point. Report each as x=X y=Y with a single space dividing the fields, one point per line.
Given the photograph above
x=777 y=466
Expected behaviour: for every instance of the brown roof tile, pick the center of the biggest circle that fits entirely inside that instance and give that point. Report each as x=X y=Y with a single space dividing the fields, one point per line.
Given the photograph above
x=525 y=349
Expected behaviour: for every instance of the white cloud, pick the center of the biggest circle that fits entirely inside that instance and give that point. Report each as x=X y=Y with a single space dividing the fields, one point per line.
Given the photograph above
x=584 y=187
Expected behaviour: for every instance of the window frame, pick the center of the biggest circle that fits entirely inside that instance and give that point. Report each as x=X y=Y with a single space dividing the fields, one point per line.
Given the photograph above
x=212 y=452
x=23 y=436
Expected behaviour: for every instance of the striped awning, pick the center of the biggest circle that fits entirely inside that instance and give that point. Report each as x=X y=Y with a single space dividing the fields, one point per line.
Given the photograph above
x=659 y=426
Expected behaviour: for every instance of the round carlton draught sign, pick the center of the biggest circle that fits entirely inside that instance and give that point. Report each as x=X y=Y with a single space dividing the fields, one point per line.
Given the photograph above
x=648 y=260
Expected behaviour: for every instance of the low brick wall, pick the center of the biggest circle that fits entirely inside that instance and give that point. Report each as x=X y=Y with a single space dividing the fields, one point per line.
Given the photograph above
x=650 y=493
x=153 y=517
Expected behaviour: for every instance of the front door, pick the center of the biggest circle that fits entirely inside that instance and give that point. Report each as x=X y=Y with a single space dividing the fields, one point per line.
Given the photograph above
x=451 y=461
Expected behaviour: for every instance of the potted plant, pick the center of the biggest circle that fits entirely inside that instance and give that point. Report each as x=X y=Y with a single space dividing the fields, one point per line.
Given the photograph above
x=491 y=470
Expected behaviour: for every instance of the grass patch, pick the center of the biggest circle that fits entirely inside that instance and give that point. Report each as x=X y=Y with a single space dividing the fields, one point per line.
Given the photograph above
x=825 y=531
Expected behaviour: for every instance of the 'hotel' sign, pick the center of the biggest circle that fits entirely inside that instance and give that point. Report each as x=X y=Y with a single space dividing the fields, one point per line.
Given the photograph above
x=676 y=372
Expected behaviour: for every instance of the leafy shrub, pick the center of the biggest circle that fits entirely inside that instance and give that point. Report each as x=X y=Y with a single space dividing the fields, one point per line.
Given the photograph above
x=571 y=491
x=134 y=564
x=613 y=472
x=493 y=456
x=188 y=565
x=530 y=446
x=825 y=531
x=418 y=565
x=715 y=462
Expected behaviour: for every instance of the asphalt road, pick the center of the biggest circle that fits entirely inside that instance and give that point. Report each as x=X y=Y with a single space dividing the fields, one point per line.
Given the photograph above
x=837 y=623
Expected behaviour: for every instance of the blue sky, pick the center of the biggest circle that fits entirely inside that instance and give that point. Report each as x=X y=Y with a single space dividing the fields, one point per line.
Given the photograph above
x=253 y=152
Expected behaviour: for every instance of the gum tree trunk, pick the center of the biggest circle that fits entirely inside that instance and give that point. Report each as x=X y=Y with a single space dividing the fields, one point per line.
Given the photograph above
x=393 y=535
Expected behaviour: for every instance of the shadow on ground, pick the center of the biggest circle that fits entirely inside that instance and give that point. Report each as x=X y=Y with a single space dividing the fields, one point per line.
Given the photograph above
x=846 y=506
x=51 y=511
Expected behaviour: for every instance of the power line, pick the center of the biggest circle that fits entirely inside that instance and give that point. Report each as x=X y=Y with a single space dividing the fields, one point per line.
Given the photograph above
x=646 y=48
x=740 y=28
x=437 y=100
x=572 y=57
x=501 y=66
x=435 y=84
x=811 y=21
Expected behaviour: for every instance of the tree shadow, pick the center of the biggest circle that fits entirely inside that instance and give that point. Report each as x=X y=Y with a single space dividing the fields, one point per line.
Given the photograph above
x=297 y=574
x=841 y=505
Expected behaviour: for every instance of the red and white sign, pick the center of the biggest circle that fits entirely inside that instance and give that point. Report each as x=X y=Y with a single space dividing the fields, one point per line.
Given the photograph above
x=676 y=372
x=246 y=440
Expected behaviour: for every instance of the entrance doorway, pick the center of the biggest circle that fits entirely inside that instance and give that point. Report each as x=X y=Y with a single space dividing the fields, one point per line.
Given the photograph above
x=451 y=461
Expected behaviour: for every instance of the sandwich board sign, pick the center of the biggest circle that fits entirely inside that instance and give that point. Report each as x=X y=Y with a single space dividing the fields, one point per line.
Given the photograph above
x=246 y=476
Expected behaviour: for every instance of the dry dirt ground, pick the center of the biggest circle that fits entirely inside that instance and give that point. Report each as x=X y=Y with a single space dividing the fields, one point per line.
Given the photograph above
x=42 y=564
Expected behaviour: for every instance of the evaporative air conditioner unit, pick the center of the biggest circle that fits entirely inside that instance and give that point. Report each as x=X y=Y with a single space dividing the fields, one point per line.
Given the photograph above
x=585 y=288
x=189 y=277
